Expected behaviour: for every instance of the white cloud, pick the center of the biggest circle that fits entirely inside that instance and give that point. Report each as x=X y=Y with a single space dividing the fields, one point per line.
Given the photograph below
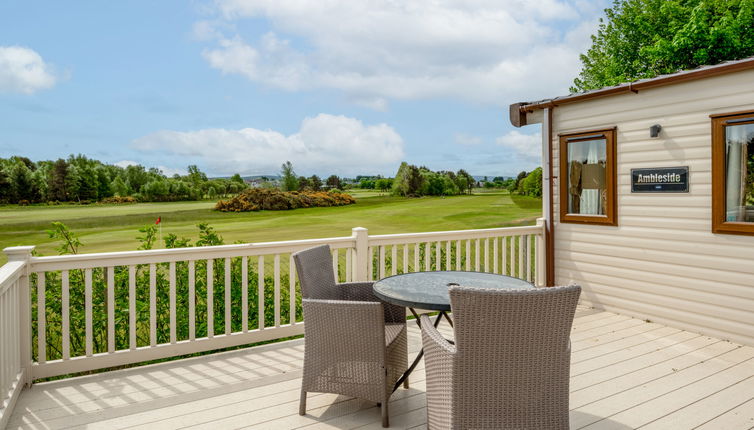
x=483 y=51
x=526 y=146
x=22 y=70
x=467 y=140
x=325 y=143
x=169 y=171
x=125 y=163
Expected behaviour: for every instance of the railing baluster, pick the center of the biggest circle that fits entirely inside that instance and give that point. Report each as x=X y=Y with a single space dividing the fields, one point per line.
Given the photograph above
x=438 y=256
x=477 y=255
x=416 y=258
x=88 y=311
x=521 y=256
x=512 y=256
x=504 y=256
x=41 y=319
x=277 y=289
x=65 y=308
x=447 y=255
x=260 y=293
x=228 y=328
x=405 y=258
x=210 y=298
x=245 y=294
x=495 y=265
x=110 y=309
x=458 y=255
x=370 y=264
x=382 y=261
x=349 y=268
x=152 y=304
x=487 y=254
x=394 y=259
x=427 y=256
x=132 y=307
x=292 y=287
x=334 y=255
x=171 y=269
x=468 y=254
x=528 y=258
x=192 y=299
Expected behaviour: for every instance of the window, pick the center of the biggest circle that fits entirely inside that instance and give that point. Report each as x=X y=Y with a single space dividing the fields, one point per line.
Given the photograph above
x=587 y=178
x=733 y=173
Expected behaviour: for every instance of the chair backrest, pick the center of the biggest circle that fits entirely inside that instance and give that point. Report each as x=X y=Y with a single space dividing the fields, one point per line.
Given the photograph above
x=513 y=354
x=314 y=268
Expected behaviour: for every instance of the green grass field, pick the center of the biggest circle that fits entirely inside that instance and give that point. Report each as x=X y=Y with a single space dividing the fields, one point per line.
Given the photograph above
x=114 y=227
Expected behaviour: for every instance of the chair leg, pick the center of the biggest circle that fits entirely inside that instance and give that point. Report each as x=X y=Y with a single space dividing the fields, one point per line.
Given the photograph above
x=405 y=383
x=385 y=420
x=302 y=403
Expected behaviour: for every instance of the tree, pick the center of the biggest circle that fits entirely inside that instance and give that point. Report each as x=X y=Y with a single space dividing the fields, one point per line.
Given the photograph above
x=119 y=187
x=382 y=184
x=237 y=179
x=56 y=189
x=304 y=183
x=315 y=183
x=289 y=182
x=645 y=38
x=22 y=184
x=469 y=181
x=333 y=182
x=532 y=184
x=5 y=186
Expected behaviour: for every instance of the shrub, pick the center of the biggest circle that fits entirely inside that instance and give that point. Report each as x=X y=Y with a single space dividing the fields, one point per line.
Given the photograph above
x=256 y=199
x=119 y=200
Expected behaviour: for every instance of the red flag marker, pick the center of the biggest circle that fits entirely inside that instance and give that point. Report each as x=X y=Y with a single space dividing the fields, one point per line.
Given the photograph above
x=159 y=219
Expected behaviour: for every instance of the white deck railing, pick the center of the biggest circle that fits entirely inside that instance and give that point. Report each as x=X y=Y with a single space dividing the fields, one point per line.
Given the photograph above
x=75 y=313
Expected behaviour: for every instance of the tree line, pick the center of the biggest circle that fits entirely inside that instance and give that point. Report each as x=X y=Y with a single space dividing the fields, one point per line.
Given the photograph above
x=81 y=179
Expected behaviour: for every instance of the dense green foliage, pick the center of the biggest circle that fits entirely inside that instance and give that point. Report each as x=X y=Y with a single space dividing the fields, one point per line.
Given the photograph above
x=645 y=38
x=83 y=180
x=419 y=181
x=526 y=184
x=256 y=199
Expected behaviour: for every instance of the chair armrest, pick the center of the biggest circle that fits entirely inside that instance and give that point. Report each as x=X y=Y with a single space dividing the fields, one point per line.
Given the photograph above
x=433 y=340
x=344 y=330
x=364 y=291
x=357 y=291
x=439 y=360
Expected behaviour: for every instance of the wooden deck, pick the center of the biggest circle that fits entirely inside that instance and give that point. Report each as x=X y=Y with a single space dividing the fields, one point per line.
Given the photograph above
x=626 y=373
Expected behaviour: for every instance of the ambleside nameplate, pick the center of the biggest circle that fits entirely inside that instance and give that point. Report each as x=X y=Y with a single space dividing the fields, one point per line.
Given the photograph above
x=660 y=180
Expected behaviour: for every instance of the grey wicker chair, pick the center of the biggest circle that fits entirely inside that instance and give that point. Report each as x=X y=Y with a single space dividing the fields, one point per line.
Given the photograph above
x=510 y=365
x=355 y=344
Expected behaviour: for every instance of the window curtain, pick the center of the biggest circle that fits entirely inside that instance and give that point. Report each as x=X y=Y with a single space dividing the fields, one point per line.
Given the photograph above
x=738 y=139
x=735 y=172
x=590 y=198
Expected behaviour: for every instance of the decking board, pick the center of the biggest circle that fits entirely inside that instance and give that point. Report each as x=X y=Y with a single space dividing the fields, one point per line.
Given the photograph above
x=625 y=373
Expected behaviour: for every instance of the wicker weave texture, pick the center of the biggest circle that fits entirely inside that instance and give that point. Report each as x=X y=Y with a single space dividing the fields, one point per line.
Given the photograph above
x=355 y=344
x=510 y=365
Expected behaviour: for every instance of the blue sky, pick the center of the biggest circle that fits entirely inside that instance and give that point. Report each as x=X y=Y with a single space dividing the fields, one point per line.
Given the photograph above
x=350 y=87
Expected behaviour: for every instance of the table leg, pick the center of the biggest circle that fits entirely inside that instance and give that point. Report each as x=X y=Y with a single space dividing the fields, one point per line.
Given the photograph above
x=421 y=352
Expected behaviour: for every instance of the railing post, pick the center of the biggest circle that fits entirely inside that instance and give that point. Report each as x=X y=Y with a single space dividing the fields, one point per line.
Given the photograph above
x=361 y=262
x=540 y=263
x=23 y=253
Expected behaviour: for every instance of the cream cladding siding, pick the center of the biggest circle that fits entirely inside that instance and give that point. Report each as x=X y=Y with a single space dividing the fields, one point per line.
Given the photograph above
x=662 y=262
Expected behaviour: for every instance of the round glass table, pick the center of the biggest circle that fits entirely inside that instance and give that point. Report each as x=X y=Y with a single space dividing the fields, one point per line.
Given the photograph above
x=429 y=291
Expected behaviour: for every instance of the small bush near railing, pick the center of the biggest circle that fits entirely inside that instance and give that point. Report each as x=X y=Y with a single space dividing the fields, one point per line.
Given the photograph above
x=256 y=199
